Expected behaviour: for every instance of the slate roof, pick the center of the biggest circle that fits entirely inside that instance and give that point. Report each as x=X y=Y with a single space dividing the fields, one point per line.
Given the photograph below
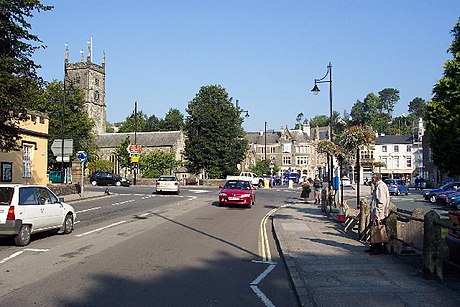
x=147 y=139
x=257 y=138
x=393 y=139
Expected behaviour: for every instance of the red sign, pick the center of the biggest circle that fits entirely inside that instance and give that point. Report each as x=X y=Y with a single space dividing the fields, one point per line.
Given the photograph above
x=133 y=148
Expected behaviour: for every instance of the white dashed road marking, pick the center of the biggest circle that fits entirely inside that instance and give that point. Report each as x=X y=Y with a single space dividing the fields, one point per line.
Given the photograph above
x=99 y=229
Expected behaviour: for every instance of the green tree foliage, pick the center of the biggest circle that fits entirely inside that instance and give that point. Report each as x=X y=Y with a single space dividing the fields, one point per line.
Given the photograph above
x=319 y=121
x=19 y=82
x=263 y=167
x=173 y=121
x=370 y=113
x=299 y=119
x=100 y=166
x=153 y=123
x=443 y=112
x=157 y=163
x=388 y=98
x=77 y=125
x=215 y=141
x=417 y=107
x=122 y=153
x=135 y=122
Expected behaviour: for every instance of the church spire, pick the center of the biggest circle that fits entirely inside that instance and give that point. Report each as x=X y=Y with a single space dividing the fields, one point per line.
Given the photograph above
x=90 y=50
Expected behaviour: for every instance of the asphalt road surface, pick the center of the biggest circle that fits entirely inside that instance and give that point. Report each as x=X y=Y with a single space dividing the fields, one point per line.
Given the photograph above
x=135 y=248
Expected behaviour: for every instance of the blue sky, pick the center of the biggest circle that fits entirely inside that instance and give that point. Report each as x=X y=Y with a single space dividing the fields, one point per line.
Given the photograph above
x=266 y=54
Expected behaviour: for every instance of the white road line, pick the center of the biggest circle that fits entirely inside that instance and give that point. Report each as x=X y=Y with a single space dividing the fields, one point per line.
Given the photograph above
x=10 y=257
x=192 y=197
x=145 y=214
x=262 y=296
x=86 y=210
x=123 y=202
x=263 y=274
x=36 y=250
x=198 y=191
x=99 y=229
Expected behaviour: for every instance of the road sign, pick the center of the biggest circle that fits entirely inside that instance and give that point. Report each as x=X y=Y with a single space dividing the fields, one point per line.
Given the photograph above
x=82 y=156
x=134 y=157
x=56 y=148
x=134 y=148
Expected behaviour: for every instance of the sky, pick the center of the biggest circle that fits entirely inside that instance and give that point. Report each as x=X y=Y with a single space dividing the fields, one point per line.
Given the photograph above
x=266 y=54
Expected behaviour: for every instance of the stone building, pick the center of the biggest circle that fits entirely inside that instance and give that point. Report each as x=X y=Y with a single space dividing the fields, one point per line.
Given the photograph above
x=293 y=150
x=169 y=141
x=89 y=78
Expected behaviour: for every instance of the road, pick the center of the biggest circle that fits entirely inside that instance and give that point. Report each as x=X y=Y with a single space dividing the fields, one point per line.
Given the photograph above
x=137 y=248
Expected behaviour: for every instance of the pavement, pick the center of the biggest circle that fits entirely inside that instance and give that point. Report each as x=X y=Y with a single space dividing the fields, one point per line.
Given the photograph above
x=329 y=267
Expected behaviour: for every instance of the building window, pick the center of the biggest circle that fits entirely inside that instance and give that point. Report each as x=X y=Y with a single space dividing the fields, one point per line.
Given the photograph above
x=287 y=147
x=384 y=161
x=272 y=149
x=396 y=148
x=408 y=162
x=396 y=162
x=7 y=172
x=302 y=160
x=262 y=149
x=286 y=160
x=409 y=148
x=96 y=81
x=26 y=161
x=384 y=148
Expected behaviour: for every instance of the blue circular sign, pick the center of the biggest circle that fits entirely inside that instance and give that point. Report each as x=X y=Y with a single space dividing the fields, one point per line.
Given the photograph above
x=82 y=156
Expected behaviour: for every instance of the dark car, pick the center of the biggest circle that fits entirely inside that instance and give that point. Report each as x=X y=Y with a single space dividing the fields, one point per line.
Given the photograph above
x=237 y=192
x=443 y=197
x=107 y=178
x=432 y=194
x=397 y=186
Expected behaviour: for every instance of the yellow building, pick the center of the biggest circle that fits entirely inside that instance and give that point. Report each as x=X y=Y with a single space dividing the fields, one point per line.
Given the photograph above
x=28 y=165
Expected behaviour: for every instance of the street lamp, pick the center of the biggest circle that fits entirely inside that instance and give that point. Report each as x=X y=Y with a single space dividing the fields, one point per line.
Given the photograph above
x=316 y=91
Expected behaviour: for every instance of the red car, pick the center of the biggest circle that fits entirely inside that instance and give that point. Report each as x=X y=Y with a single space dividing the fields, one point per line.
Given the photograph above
x=237 y=192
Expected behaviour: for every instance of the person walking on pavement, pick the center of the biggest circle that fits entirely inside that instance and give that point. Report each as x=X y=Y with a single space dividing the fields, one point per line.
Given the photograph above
x=306 y=189
x=317 y=186
x=380 y=207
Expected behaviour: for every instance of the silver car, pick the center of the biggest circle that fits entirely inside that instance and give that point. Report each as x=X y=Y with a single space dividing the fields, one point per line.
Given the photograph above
x=167 y=183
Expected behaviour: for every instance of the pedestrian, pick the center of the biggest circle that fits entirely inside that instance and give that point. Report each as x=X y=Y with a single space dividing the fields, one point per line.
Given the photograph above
x=380 y=209
x=317 y=186
x=306 y=190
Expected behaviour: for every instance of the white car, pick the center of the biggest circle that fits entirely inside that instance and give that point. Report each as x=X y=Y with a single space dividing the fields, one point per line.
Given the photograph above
x=167 y=183
x=28 y=209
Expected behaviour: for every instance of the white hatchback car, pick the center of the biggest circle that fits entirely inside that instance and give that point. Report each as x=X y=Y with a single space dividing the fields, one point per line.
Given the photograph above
x=167 y=183
x=27 y=209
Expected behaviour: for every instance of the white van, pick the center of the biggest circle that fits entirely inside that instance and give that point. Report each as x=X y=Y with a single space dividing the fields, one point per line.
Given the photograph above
x=27 y=209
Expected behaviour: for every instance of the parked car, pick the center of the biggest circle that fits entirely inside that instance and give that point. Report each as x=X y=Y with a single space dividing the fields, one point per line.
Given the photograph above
x=397 y=186
x=167 y=183
x=432 y=194
x=28 y=209
x=454 y=200
x=237 y=192
x=443 y=197
x=107 y=178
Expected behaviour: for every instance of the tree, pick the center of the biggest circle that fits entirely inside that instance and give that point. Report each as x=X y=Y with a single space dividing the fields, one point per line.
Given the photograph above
x=157 y=162
x=100 y=166
x=134 y=122
x=388 y=98
x=19 y=81
x=299 y=119
x=173 y=121
x=215 y=141
x=443 y=112
x=263 y=167
x=319 y=121
x=123 y=154
x=153 y=123
x=417 y=107
x=77 y=124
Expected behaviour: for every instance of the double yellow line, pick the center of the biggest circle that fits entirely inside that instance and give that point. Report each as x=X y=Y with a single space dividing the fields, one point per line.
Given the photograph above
x=264 y=247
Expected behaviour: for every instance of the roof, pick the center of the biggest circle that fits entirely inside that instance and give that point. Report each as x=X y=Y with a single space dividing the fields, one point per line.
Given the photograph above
x=394 y=139
x=146 y=139
x=259 y=138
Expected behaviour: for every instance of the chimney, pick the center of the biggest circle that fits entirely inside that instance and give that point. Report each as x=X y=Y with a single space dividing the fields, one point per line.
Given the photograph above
x=306 y=129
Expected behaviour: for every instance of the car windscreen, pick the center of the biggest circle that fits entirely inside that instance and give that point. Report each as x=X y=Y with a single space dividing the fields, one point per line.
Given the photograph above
x=240 y=185
x=6 y=194
x=167 y=179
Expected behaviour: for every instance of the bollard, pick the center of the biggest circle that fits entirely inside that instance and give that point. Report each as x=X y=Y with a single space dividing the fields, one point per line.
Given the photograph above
x=324 y=200
x=364 y=217
x=432 y=262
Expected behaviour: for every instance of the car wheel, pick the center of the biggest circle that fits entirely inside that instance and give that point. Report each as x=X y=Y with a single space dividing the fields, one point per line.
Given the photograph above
x=94 y=183
x=118 y=183
x=68 y=224
x=397 y=192
x=432 y=199
x=23 y=237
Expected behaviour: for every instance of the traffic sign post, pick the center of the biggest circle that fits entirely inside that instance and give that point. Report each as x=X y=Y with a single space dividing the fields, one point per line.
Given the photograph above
x=82 y=157
x=134 y=151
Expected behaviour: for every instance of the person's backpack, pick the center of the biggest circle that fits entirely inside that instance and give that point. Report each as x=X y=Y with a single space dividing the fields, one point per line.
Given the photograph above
x=317 y=184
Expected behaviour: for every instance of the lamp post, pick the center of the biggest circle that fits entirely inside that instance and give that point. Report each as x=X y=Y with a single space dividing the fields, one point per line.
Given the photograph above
x=63 y=124
x=135 y=141
x=316 y=91
x=265 y=142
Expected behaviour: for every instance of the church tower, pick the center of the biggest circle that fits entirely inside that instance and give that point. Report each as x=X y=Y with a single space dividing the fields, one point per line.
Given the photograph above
x=89 y=78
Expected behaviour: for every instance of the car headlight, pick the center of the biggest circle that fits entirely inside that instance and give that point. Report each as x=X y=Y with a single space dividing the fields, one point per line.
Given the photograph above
x=222 y=194
x=427 y=193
